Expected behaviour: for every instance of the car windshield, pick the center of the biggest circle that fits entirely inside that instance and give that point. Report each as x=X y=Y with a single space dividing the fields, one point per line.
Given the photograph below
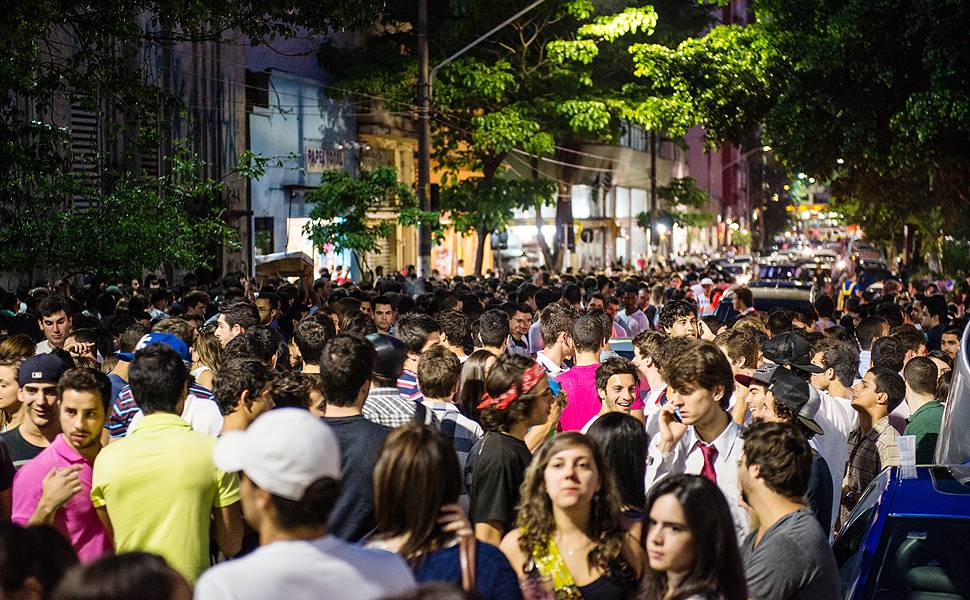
x=922 y=557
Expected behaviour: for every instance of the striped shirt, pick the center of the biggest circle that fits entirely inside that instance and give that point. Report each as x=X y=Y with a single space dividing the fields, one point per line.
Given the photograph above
x=124 y=407
x=407 y=386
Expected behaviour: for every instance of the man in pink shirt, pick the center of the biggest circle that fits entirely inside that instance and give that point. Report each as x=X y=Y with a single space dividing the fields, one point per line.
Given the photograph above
x=54 y=488
x=579 y=382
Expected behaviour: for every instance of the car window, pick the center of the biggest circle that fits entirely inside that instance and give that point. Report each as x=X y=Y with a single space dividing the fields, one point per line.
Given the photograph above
x=848 y=544
x=922 y=557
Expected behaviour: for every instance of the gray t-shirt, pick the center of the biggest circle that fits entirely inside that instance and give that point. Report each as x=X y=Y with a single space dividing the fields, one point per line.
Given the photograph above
x=792 y=562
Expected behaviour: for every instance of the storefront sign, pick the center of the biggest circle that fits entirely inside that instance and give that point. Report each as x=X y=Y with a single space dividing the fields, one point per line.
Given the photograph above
x=318 y=160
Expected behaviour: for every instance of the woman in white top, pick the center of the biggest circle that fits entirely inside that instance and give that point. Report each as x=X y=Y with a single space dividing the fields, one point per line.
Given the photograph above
x=206 y=358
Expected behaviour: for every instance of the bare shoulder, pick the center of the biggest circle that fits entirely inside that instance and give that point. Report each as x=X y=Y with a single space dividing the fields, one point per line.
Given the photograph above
x=512 y=551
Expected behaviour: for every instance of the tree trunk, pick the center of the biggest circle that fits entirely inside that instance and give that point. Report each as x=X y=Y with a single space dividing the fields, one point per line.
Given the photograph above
x=480 y=251
x=549 y=255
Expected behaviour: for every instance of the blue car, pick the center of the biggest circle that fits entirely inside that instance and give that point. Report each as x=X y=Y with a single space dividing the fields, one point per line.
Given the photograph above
x=908 y=538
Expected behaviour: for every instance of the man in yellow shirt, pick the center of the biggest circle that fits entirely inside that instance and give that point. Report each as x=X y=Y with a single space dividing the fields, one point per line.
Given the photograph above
x=156 y=489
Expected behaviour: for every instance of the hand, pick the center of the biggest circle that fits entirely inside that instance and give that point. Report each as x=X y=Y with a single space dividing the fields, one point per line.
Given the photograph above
x=59 y=486
x=452 y=519
x=671 y=430
x=80 y=349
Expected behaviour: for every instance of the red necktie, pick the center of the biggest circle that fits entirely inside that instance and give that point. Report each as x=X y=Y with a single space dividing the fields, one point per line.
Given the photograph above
x=710 y=455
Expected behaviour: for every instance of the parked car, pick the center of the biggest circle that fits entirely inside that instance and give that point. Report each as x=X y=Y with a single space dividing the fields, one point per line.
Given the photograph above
x=908 y=538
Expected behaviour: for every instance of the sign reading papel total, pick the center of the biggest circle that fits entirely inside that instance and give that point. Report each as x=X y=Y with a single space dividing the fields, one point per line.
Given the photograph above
x=318 y=160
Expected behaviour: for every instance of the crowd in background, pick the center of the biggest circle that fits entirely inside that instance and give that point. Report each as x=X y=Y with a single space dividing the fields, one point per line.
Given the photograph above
x=473 y=437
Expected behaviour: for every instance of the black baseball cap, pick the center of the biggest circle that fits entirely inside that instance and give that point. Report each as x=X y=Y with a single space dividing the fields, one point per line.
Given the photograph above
x=791 y=349
x=41 y=368
x=794 y=392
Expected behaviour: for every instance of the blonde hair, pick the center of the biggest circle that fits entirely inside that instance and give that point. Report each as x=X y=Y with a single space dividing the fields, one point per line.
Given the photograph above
x=14 y=364
x=209 y=350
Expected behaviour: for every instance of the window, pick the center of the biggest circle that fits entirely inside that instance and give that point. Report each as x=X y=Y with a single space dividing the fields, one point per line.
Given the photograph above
x=923 y=556
x=848 y=544
x=263 y=229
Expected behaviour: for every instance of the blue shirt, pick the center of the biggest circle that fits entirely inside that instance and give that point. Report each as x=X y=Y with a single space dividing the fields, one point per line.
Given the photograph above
x=494 y=577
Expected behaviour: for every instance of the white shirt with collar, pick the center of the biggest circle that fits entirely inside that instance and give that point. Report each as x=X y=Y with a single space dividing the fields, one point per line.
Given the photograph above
x=551 y=368
x=686 y=457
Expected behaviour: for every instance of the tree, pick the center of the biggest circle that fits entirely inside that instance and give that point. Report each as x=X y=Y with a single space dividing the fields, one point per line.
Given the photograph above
x=483 y=206
x=536 y=89
x=684 y=206
x=872 y=96
x=347 y=211
x=58 y=53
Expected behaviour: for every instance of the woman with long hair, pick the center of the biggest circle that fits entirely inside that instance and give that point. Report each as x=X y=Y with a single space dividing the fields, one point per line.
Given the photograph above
x=624 y=444
x=517 y=397
x=569 y=528
x=206 y=358
x=416 y=487
x=692 y=546
x=471 y=384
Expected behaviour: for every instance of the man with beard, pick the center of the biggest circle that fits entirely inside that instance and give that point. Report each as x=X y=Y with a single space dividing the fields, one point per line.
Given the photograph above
x=38 y=392
x=55 y=487
x=787 y=554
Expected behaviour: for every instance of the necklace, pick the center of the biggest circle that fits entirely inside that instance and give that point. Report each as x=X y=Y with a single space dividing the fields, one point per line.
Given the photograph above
x=562 y=550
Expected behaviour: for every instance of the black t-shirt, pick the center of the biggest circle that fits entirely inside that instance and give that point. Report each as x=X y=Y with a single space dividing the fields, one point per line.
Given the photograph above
x=495 y=470
x=819 y=494
x=360 y=445
x=20 y=449
x=6 y=468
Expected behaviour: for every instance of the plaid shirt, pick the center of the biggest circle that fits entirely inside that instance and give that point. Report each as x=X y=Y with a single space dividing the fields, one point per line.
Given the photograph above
x=869 y=454
x=387 y=407
x=462 y=431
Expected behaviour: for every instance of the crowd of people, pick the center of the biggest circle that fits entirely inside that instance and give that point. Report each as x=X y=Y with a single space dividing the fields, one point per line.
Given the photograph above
x=479 y=437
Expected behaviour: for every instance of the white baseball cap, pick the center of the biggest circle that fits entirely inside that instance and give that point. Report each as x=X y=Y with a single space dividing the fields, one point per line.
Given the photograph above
x=707 y=281
x=283 y=451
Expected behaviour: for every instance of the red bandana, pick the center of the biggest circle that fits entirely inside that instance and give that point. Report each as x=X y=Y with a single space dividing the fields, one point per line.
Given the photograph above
x=530 y=378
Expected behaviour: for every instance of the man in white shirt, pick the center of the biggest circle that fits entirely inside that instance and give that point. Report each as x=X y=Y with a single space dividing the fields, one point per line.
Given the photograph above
x=289 y=465
x=646 y=358
x=56 y=322
x=555 y=325
x=616 y=385
x=631 y=316
x=696 y=434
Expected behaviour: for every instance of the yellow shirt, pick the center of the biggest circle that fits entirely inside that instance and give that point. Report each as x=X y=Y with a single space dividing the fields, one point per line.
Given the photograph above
x=159 y=486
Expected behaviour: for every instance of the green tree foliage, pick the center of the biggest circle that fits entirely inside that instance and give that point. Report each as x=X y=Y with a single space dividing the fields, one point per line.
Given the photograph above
x=684 y=206
x=871 y=95
x=94 y=54
x=141 y=224
x=482 y=206
x=356 y=213
x=537 y=88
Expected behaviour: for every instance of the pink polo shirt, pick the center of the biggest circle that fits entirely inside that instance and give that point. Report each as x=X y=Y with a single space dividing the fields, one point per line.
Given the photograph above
x=582 y=401
x=77 y=519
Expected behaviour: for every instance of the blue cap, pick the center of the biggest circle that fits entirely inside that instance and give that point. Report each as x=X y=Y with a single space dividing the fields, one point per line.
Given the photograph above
x=173 y=341
x=41 y=368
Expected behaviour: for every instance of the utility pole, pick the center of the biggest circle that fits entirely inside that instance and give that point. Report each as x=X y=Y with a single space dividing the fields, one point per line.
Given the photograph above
x=424 y=140
x=653 y=191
